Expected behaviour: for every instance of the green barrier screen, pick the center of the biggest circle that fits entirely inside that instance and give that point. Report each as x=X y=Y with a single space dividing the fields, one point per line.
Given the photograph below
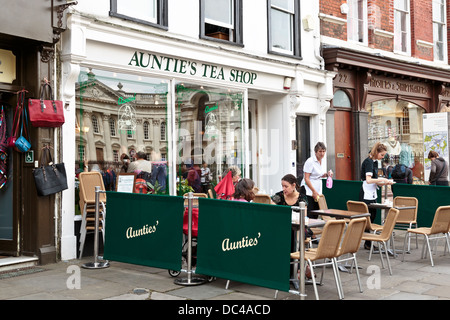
x=245 y=242
x=429 y=198
x=144 y=229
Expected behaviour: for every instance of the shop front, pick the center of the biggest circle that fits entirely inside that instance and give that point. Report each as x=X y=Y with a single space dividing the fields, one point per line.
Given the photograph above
x=183 y=107
x=381 y=100
x=28 y=222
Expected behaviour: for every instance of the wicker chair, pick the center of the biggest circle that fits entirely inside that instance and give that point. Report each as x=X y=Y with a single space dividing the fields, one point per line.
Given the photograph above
x=359 y=206
x=262 y=198
x=383 y=237
x=88 y=182
x=328 y=249
x=441 y=225
x=407 y=217
x=351 y=243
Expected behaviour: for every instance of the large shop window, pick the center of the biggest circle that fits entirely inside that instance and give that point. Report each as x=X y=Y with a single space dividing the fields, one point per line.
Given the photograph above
x=398 y=125
x=117 y=117
x=210 y=134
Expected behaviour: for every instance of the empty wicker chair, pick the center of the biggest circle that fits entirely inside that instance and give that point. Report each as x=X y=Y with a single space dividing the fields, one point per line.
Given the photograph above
x=441 y=225
x=328 y=249
x=351 y=243
x=383 y=237
x=359 y=206
x=407 y=218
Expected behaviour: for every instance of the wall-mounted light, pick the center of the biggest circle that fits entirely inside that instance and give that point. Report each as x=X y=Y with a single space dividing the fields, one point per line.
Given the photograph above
x=287 y=83
x=344 y=8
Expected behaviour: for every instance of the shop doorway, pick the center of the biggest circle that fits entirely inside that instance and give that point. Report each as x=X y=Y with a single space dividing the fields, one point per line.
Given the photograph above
x=303 y=144
x=8 y=216
x=343 y=145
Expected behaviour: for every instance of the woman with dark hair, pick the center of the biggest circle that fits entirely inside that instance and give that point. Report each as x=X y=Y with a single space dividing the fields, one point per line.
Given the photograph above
x=290 y=195
x=243 y=190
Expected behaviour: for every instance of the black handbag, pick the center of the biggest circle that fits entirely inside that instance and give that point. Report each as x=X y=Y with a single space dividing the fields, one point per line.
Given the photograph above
x=49 y=178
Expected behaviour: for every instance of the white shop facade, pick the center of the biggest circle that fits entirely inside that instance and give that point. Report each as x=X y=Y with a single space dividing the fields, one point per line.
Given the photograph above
x=182 y=103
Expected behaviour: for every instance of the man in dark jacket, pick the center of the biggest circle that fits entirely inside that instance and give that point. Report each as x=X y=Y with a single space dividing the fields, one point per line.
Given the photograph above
x=439 y=170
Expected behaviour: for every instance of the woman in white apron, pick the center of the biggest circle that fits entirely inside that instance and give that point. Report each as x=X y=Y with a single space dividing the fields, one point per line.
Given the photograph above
x=371 y=181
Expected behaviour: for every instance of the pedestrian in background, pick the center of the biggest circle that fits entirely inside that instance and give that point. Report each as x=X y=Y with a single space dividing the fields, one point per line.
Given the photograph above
x=439 y=170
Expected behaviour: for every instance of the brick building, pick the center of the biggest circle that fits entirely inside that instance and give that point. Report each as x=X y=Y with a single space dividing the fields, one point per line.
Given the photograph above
x=392 y=63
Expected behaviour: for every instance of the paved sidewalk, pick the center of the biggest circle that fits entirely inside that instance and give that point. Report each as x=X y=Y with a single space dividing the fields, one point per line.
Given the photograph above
x=413 y=279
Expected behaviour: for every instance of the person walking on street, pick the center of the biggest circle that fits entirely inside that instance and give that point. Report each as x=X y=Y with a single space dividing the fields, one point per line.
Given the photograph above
x=439 y=170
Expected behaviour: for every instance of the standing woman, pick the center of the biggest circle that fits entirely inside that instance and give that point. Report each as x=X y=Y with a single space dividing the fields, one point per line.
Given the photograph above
x=314 y=170
x=371 y=181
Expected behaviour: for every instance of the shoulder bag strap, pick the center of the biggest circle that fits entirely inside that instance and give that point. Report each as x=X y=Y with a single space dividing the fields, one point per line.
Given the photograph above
x=44 y=87
x=23 y=113
x=46 y=156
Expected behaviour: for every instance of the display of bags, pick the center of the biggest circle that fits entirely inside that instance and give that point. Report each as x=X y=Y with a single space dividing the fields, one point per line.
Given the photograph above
x=49 y=178
x=46 y=113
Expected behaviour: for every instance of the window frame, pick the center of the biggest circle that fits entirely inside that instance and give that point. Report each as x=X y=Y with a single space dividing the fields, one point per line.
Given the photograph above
x=237 y=19
x=296 y=32
x=443 y=25
x=162 y=16
x=408 y=29
x=350 y=22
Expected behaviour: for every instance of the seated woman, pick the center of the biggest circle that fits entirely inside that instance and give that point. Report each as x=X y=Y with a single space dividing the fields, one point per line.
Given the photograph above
x=243 y=191
x=290 y=195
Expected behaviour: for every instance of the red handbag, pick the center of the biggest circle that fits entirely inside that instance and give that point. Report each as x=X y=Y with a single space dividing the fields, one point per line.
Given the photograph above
x=46 y=113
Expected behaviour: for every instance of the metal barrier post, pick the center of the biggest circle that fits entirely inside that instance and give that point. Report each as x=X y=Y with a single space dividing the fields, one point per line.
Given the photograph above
x=302 y=250
x=190 y=281
x=96 y=264
x=302 y=209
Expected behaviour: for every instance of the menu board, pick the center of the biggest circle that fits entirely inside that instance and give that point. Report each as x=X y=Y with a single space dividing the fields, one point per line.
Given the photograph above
x=126 y=182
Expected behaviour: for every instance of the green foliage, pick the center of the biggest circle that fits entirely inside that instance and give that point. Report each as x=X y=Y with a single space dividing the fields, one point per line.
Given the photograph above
x=183 y=187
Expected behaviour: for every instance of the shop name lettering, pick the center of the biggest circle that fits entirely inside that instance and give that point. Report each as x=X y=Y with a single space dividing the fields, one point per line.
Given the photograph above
x=145 y=230
x=228 y=245
x=398 y=86
x=162 y=63
x=123 y=101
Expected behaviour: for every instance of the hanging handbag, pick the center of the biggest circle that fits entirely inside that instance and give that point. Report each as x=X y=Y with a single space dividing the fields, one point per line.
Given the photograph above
x=15 y=126
x=46 y=113
x=22 y=144
x=49 y=178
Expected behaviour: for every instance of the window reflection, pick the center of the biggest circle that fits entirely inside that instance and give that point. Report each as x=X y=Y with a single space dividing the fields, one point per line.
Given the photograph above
x=117 y=116
x=209 y=130
x=398 y=125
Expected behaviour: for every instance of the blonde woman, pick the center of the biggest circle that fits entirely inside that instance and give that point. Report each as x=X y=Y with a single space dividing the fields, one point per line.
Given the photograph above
x=371 y=181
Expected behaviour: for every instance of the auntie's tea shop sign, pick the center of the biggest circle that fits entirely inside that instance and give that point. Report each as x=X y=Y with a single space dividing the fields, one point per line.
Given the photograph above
x=192 y=68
